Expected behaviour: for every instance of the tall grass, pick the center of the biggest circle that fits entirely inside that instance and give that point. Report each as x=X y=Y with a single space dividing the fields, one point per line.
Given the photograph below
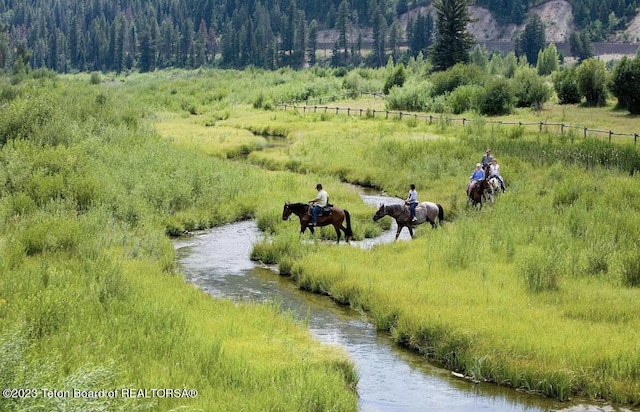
x=89 y=296
x=538 y=292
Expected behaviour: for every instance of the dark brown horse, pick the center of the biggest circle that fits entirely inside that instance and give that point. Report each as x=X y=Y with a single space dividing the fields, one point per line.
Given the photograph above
x=480 y=190
x=335 y=218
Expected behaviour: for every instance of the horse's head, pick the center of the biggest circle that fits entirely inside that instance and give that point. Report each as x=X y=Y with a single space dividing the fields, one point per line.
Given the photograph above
x=382 y=212
x=286 y=211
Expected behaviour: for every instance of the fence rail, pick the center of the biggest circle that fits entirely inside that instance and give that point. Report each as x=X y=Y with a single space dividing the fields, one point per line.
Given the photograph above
x=542 y=126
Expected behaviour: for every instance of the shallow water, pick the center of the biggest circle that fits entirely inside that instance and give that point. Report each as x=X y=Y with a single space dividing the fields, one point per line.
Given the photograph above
x=391 y=378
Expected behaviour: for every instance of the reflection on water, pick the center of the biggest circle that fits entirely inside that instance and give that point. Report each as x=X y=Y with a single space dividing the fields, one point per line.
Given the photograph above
x=391 y=378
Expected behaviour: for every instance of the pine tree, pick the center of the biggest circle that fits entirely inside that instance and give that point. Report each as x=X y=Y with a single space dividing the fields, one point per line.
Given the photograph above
x=532 y=40
x=453 y=41
x=342 y=25
x=312 y=42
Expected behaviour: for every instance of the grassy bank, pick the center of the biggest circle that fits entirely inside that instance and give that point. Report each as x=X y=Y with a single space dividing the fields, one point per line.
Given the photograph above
x=89 y=296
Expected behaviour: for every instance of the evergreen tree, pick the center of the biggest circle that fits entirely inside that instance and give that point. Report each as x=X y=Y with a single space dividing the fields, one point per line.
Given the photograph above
x=394 y=40
x=379 y=35
x=312 y=43
x=453 y=41
x=532 y=40
x=4 y=47
x=146 y=61
x=581 y=46
x=342 y=26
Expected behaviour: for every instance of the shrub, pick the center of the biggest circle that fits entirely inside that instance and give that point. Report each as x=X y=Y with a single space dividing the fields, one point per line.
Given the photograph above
x=95 y=78
x=498 y=97
x=592 y=81
x=413 y=97
x=530 y=89
x=456 y=76
x=464 y=98
x=565 y=83
x=624 y=84
x=396 y=79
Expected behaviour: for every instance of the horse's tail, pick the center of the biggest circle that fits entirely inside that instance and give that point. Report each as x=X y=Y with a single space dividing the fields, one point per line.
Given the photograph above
x=348 y=233
x=440 y=213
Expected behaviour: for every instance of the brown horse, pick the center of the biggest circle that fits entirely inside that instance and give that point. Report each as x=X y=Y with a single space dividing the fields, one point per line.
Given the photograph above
x=480 y=190
x=335 y=218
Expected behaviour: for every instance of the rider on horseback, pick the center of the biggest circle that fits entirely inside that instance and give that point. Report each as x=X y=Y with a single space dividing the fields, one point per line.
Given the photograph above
x=494 y=171
x=478 y=174
x=319 y=202
x=412 y=201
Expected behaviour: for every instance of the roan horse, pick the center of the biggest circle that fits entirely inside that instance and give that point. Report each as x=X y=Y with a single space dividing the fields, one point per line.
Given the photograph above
x=335 y=218
x=425 y=212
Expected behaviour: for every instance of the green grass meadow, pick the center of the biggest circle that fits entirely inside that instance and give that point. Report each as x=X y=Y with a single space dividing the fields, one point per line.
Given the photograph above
x=540 y=292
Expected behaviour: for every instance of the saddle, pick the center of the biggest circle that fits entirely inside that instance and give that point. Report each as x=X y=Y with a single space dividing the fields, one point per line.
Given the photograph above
x=325 y=211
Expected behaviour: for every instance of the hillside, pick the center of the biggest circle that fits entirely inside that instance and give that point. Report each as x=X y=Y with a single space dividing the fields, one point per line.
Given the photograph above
x=555 y=14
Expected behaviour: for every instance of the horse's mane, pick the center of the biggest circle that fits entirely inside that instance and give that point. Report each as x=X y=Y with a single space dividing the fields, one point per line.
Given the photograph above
x=298 y=206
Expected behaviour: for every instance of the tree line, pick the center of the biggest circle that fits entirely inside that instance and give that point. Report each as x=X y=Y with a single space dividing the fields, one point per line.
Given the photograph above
x=102 y=35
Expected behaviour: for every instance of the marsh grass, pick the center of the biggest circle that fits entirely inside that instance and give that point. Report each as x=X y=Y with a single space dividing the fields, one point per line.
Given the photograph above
x=89 y=296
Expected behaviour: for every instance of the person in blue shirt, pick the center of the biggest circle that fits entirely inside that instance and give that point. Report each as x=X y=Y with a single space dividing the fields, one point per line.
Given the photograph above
x=477 y=175
x=412 y=201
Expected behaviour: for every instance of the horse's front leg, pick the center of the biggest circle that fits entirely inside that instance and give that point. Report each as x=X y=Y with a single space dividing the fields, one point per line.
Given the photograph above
x=398 y=232
x=410 y=231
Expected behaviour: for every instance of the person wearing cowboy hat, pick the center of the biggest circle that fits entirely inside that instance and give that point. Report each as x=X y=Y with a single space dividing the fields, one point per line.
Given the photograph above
x=321 y=200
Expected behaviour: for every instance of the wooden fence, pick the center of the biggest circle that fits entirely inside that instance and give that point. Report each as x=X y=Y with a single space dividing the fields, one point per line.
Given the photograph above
x=542 y=126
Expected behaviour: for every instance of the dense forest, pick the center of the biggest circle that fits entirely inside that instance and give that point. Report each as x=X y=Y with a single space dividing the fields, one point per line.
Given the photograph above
x=107 y=35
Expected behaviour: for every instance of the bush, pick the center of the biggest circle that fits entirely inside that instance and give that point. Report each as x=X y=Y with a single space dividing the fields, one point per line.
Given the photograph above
x=413 y=97
x=530 y=89
x=498 y=98
x=396 y=79
x=592 y=81
x=624 y=84
x=464 y=98
x=95 y=78
x=456 y=76
x=565 y=83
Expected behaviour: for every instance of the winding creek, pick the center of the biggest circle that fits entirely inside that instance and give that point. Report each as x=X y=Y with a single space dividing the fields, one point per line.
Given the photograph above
x=391 y=378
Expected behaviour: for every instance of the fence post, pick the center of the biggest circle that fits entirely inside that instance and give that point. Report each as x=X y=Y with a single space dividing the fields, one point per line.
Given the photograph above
x=387 y=115
x=315 y=108
x=610 y=133
x=463 y=121
x=348 y=111
x=585 y=132
x=541 y=123
x=400 y=115
x=304 y=109
x=430 y=119
x=337 y=108
x=561 y=128
x=635 y=139
x=360 y=112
